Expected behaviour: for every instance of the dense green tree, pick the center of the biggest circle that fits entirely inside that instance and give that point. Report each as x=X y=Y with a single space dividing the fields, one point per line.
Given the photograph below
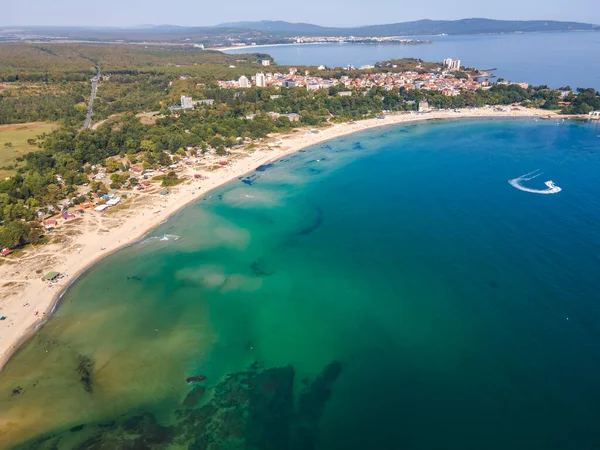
x=13 y=234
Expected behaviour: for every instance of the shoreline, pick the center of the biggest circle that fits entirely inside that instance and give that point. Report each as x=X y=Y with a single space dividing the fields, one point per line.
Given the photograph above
x=84 y=251
x=244 y=47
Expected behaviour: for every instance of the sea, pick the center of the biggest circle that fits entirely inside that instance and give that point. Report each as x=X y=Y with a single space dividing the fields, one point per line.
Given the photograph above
x=417 y=286
x=553 y=59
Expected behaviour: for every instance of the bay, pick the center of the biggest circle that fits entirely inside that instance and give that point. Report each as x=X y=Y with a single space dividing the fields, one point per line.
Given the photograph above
x=554 y=59
x=388 y=289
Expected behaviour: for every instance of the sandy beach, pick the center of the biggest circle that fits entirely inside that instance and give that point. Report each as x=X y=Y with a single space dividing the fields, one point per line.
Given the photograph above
x=251 y=47
x=26 y=302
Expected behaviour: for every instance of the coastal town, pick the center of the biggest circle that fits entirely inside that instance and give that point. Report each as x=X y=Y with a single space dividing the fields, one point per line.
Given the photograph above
x=444 y=80
x=238 y=43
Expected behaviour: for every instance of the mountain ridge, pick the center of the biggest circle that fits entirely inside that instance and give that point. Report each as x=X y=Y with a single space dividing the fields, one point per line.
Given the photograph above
x=416 y=27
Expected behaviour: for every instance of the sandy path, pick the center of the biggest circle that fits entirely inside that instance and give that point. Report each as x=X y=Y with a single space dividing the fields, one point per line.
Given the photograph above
x=26 y=301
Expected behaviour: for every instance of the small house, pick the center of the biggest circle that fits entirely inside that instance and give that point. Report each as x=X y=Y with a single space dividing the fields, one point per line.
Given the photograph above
x=292 y=117
x=5 y=252
x=51 y=276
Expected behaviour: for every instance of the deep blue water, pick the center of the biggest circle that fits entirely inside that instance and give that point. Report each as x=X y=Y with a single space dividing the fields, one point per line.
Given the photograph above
x=465 y=313
x=555 y=59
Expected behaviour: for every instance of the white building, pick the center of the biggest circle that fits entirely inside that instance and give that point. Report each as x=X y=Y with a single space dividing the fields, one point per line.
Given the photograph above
x=261 y=81
x=455 y=65
x=452 y=64
x=114 y=201
x=423 y=106
x=243 y=82
x=186 y=102
x=266 y=62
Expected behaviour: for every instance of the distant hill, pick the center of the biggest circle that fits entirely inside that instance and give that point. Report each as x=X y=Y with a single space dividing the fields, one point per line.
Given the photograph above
x=278 y=26
x=277 y=32
x=416 y=28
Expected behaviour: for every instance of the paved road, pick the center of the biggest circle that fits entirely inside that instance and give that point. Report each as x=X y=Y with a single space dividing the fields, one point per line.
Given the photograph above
x=90 y=110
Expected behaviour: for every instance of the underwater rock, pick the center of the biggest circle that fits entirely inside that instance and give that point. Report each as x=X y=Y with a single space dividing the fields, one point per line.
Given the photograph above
x=265 y=167
x=271 y=409
x=249 y=410
x=195 y=379
x=138 y=432
x=16 y=391
x=312 y=400
x=193 y=427
x=231 y=393
x=84 y=368
x=311 y=405
x=316 y=223
x=194 y=396
x=259 y=269
x=250 y=179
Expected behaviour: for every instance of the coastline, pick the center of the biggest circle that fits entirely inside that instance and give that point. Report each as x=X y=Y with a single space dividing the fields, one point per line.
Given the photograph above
x=244 y=47
x=28 y=303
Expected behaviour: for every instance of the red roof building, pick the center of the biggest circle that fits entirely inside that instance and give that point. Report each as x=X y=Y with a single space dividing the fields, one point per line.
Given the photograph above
x=6 y=252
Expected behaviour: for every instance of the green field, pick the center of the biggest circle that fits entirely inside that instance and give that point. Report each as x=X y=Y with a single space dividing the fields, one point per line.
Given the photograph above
x=18 y=135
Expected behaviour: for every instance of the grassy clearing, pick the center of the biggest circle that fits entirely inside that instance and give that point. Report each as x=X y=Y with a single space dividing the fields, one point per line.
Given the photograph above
x=18 y=135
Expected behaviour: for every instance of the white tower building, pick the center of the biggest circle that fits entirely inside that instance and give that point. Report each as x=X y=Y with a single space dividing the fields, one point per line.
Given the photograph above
x=261 y=81
x=243 y=82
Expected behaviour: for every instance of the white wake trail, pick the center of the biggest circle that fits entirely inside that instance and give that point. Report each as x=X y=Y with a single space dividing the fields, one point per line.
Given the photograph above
x=166 y=237
x=517 y=183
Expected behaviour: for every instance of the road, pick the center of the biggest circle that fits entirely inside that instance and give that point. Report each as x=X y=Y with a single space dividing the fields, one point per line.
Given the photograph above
x=90 y=110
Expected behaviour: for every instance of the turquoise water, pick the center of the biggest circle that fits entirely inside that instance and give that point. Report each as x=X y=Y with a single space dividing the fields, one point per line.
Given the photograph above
x=444 y=308
x=555 y=59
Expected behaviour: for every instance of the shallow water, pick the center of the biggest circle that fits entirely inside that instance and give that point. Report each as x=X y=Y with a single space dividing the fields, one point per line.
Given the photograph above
x=463 y=313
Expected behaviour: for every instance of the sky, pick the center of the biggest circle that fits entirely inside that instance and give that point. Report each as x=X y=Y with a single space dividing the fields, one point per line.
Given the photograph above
x=330 y=12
